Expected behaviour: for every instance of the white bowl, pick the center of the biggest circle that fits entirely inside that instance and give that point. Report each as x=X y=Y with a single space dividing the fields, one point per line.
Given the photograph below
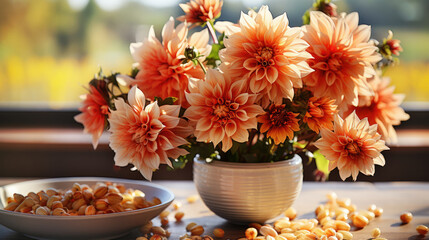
x=104 y=226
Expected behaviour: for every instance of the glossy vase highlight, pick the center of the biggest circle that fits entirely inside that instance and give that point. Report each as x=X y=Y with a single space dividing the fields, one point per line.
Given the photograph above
x=248 y=192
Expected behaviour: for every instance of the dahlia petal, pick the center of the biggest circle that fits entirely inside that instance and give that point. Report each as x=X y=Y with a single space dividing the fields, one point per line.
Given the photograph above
x=199 y=39
x=153 y=110
x=226 y=143
x=171 y=110
x=216 y=135
x=380 y=160
x=265 y=127
x=253 y=110
x=135 y=49
x=152 y=160
x=264 y=16
x=246 y=23
x=250 y=64
x=354 y=172
x=242 y=98
x=252 y=123
x=204 y=124
x=176 y=153
x=168 y=30
x=230 y=128
x=164 y=143
x=250 y=48
x=136 y=97
x=121 y=159
x=195 y=99
x=352 y=20
x=280 y=24
x=345 y=173
x=152 y=146
x=272 y=74
x=147 y=173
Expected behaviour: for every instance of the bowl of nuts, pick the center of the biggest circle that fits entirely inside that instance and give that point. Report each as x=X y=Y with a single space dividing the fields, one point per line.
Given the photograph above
x=80 y=208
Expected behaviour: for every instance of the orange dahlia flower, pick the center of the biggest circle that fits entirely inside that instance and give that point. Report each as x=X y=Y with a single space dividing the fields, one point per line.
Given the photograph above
x=221 y=109
x=267 y=53
x=161 y=72
x=382 y=108
x=145 y=136
x=198 y=12
x=353 y=146
x=95 y=111
x=342 y=57
x=279 y=123
x=320 y=113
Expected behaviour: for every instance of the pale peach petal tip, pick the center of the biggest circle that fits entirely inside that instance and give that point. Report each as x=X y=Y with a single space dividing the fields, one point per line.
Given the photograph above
x=145 y=135
x=353 y=146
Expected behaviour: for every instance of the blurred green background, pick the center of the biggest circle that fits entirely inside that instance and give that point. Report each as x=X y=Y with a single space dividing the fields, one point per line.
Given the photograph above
x=50 y=49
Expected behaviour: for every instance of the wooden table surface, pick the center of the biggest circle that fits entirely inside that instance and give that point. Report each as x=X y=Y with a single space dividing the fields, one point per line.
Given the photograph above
x=393 y=197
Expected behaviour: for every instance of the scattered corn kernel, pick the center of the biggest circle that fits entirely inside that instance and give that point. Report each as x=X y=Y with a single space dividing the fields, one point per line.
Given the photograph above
x=177 y=205
x=179 y=216
x=164 y=221
x=192 y=199
x=406 y=217
x=190 y=226
x=268 y=231
x=197 y=230
x=164 y=214
x=290 y=213
x=360 y=221
x=375 y=233
x=422 y=230
x=251 y=233
x=378 y=212
x=158 y=231
x=255 y=225
x=218 y=232
x=346 y=235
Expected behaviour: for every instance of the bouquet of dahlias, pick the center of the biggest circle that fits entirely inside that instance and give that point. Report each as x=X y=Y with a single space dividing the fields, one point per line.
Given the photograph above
x=253 y=91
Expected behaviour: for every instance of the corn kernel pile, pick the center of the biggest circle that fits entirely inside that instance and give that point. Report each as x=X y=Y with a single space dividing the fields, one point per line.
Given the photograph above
x=333 y=221
x=104 y=197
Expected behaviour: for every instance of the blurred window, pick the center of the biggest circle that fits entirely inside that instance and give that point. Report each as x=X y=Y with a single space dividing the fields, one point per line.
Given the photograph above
x=49 y=49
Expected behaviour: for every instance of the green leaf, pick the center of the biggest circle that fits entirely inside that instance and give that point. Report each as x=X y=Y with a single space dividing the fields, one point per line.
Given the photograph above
x=306 y=18
x=166 y=101
x=213 y=57
x=321 y=162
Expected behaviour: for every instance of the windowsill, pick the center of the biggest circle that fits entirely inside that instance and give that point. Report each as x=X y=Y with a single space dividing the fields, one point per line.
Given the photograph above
x=69 y=136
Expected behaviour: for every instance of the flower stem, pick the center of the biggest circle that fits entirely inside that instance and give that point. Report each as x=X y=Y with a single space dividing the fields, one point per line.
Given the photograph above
x=202 y=66
x=212 y=32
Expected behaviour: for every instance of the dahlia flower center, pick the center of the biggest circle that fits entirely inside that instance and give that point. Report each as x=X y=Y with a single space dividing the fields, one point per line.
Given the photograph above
x=145 y=133
x=279 y=117
x=221 y=111
x=334 y=63
x=353 y=148
x=264 y=56
x=317 y=112
x=224 y=110
x=104 y=109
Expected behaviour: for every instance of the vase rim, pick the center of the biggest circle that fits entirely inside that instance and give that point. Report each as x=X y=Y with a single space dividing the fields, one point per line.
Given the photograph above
x=296 y=159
